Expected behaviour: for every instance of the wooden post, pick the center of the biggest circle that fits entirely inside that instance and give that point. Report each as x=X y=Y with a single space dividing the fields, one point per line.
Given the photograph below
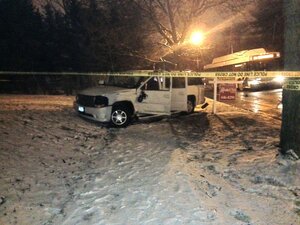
x=215 y=95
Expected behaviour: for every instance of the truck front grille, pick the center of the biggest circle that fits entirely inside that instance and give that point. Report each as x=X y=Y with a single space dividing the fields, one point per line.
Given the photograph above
x=92 y=101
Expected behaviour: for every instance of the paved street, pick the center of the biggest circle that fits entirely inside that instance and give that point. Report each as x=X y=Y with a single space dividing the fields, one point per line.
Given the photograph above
x=266 y=102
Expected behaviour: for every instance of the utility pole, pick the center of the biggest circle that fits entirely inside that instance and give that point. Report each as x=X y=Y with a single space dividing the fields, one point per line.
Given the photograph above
x=290 y=128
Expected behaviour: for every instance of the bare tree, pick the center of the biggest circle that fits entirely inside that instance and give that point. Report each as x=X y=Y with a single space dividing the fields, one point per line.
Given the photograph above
x=173 y=18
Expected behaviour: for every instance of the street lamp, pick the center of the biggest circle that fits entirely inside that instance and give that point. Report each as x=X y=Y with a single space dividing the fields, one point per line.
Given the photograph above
x=197 y=38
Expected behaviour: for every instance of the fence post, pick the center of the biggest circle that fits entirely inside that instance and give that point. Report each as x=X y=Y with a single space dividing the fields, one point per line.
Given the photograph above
x=215 y=95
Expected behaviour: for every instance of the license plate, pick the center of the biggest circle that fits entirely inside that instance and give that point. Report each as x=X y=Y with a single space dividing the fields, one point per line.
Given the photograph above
x=80 y=109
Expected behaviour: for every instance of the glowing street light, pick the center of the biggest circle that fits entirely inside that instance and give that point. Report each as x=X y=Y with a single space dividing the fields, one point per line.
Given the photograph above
x=197 y=38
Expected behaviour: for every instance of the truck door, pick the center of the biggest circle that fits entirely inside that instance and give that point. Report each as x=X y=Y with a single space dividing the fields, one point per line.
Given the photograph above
x=154 y=96
x=179 y=94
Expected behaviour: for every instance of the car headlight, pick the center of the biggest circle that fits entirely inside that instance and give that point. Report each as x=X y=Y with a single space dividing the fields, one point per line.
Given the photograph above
x=254 y=82
x=279 y=79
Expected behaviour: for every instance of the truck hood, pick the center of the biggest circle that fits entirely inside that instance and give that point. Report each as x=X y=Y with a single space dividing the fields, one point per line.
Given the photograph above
x=103 y=90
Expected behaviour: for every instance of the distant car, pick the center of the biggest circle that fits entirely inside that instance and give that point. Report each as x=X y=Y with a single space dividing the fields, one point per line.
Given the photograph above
x=261 y=83
x=120 y=98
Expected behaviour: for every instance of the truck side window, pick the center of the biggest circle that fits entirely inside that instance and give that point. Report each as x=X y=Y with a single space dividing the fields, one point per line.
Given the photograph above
x=195 y=81
x=167 y=82
x=152 y=84
x=178 y=82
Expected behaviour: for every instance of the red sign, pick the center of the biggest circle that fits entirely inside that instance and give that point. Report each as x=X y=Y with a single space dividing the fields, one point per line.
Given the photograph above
x=227 y=91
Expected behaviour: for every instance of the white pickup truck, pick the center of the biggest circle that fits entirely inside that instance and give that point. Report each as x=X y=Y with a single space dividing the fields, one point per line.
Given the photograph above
x=120 y=98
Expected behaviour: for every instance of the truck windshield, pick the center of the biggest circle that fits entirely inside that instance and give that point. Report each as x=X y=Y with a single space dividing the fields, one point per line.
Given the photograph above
x=124 y=81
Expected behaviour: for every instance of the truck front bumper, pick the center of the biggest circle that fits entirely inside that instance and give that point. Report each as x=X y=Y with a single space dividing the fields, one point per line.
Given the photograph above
x=97 y=114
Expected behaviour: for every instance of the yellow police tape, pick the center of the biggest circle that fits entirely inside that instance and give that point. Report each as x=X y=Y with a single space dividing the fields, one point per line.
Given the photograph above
x=239 y=74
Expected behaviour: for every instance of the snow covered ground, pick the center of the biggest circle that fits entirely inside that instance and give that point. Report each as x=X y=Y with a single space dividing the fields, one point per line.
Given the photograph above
x=224 y=169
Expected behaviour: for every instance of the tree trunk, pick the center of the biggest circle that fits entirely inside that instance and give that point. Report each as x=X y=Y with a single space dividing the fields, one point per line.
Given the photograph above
x=290 y=128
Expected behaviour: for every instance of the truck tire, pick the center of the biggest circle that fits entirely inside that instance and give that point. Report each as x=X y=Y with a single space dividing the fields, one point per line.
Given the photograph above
x=190 y=105
x=120 y=116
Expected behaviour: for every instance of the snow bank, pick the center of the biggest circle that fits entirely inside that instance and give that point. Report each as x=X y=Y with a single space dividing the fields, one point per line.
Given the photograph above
x=57 y=168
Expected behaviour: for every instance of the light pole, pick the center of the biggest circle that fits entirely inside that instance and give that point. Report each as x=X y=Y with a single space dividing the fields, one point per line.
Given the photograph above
x=197 y=38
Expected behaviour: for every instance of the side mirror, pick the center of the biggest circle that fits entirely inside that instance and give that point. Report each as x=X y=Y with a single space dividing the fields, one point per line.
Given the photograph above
x=142 y=96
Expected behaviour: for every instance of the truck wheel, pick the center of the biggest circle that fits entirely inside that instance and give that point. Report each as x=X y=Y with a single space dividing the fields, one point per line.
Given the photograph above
x=120 y=116
x=190 y=106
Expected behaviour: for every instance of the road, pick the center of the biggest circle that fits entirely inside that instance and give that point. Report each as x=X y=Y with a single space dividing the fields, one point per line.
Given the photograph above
x=266 y=102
